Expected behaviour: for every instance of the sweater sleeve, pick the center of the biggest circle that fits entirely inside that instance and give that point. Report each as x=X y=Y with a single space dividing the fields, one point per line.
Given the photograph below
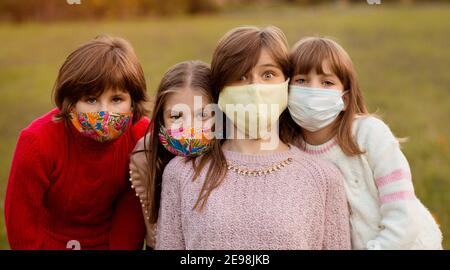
x=169 y=234
x=139 y=168
x=127 y=228
x=140 y=175
x=337 y=220
x=24 y=202
x=399 y=225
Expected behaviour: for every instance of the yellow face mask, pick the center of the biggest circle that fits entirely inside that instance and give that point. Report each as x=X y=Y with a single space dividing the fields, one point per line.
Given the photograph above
x=254 y=108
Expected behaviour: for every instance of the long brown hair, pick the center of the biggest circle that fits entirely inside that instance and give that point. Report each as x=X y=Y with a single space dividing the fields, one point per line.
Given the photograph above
x=310 y=53
x=102 y=63
x=237 y=52
x=189 y=74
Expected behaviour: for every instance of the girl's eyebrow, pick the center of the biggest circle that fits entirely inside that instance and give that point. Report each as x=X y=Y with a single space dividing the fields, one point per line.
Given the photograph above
x=269 y=65
x=328 y=74
x=118 y=93
x=172 y=111
x=200 y=109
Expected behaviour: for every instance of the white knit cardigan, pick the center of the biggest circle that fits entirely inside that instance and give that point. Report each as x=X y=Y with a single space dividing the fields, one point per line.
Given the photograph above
x=385 y=213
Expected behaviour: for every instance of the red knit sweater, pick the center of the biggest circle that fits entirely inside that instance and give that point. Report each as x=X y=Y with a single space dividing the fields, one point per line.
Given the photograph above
x=64 y=186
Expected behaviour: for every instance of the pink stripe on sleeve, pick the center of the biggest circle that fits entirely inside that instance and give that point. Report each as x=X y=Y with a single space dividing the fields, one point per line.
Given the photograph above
x=397 y=196
x=396 y=175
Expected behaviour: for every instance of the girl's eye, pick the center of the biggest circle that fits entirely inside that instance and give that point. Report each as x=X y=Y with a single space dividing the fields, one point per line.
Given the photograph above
x=199 y=115
x=301 y=80
x=203 y=115
x=243 y=78
x=117 y=99
x=91 y=100
x=268 y=75
x=175 y=116
x=328 y=83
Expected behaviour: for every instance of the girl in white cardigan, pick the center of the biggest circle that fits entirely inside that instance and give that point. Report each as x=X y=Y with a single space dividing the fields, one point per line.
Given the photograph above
x=330 y=120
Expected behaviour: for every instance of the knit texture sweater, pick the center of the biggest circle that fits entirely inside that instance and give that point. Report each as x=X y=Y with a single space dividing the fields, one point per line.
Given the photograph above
x=385 y=212
x=300 y=206
x=69 y=191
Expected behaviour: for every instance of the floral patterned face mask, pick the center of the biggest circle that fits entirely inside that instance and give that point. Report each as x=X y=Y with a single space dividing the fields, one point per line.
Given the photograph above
x=101 y=126
x=183 y=142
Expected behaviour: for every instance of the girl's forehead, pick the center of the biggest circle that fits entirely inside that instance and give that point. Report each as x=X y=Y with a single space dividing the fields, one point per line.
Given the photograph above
x=266 y=59
x=265 y=56
x=323 y=68
x=326 y=67
x=115 y=91
x=187 y=96
x=107 y=92
x=187 y=93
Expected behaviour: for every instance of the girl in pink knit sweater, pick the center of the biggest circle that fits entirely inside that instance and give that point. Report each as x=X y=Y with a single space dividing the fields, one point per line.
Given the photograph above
x=252 y=190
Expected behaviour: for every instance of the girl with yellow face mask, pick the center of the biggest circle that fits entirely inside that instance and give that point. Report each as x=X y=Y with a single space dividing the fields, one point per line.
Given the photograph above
x=252 y=190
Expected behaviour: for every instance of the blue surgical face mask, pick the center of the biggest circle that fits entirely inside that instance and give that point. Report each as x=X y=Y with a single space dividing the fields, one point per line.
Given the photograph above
x=314 y=108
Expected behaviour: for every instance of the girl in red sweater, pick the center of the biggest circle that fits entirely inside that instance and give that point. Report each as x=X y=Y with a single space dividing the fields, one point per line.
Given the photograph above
x=68 y=184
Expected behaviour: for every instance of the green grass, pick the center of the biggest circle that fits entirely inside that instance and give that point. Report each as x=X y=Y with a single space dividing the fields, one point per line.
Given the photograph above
x=401 y=54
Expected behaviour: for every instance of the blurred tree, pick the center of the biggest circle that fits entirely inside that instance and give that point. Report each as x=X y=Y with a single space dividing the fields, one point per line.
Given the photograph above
x=43 y=10
x=199 y=6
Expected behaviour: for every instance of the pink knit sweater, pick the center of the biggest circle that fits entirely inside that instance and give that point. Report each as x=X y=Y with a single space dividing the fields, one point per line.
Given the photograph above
x=301 y=206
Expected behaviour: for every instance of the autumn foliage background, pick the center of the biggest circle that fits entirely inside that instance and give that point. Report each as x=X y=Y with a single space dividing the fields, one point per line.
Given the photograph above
x=400 y=50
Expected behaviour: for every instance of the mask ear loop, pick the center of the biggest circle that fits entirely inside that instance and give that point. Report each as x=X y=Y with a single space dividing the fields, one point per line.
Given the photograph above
x=71 y=111
x=342 y=95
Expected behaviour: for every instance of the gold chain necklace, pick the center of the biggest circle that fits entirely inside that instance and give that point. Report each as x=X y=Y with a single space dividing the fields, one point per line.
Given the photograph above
x=259 y=172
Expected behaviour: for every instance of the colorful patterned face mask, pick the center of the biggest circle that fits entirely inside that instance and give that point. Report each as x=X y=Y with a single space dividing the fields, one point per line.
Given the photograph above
x=183 y=142
x=101 y=126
